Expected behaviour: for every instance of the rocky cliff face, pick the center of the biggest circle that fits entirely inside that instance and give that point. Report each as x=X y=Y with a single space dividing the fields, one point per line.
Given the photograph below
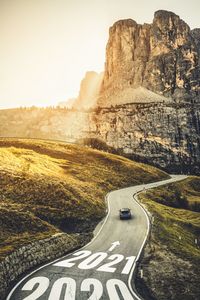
x=196 y=35
x=149 y=105
x=162 y=57
x=161 y=134
x=165 y=135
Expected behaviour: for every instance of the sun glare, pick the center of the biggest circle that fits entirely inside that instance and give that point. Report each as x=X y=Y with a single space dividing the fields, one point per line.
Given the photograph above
x=47 y=46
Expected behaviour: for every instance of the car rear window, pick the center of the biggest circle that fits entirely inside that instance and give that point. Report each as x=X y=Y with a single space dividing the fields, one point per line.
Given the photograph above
x=125 y=211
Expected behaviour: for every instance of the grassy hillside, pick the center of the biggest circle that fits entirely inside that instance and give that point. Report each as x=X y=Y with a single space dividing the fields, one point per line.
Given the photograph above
x=47 y=187
x=183 y=194
x=172 y=258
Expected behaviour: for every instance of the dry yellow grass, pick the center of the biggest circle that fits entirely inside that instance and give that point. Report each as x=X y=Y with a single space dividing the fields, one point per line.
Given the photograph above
x=46 y=187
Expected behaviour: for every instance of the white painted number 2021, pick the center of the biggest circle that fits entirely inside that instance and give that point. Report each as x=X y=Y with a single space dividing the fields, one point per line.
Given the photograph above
x=90 y=285
x=93 y=260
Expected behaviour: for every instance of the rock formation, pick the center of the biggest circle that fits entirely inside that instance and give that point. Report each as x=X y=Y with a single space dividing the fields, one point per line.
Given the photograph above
x=196 y=35
x=162 y=57
x=88 y=93
x=166 y=135
x=149 y=101
x=89 y=90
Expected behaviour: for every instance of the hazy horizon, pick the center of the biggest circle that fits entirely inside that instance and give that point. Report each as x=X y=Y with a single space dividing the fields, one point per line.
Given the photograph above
x=47 y=46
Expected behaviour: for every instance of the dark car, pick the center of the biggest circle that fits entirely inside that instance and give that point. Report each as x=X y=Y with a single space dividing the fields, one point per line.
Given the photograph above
x=125 y=213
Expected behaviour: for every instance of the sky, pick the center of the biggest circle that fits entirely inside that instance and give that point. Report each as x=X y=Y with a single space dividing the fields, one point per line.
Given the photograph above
x=46 y=46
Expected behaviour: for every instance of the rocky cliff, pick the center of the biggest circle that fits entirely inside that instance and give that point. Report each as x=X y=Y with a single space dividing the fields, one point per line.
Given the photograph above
x=148 y=106
x=89 y=90
x=162 y=57
x=88 y=93
x=163 y=134
x=196 y=35
x=149 y=102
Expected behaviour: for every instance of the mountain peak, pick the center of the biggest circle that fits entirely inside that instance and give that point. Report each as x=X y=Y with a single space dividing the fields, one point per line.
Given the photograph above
x=162 y=57
x=161 y=13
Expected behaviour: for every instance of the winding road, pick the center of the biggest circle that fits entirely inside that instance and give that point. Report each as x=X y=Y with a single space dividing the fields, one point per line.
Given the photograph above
x=103 y=269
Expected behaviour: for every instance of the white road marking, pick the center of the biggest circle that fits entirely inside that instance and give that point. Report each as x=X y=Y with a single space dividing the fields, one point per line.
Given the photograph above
x=70 y=289
x=67 y=263
x=152 y=185
x=129 y=264
x=42 y=284
x=66 y=255
x=101 y=228
x=92 y=261
x=114 y=245
x=97 y=288
x=112 y=292
x=116 y=258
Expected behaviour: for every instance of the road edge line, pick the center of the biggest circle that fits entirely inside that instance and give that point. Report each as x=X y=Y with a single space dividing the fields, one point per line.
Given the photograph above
x=135 y=195
x=142 y=247
x=99 y=231
x=64 y=256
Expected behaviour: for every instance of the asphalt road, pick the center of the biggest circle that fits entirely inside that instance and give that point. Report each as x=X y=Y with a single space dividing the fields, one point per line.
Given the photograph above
x=102 y=269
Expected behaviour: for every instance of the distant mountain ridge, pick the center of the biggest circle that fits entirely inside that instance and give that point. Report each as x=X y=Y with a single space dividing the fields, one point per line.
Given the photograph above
x=89 y=91
x=67 y=104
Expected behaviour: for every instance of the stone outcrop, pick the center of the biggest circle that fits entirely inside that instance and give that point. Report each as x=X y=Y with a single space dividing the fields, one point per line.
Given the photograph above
x=148 y=106
x=149 y=102
x=89 y=90
x=196 y=35
x=162 y=57
x=163 y=134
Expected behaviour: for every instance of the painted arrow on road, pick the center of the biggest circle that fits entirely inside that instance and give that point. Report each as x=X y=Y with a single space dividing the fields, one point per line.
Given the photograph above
x=114 y=245
x=88 y=269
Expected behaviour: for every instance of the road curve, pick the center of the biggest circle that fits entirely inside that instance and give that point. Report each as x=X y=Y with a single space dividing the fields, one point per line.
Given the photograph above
x=103 y=268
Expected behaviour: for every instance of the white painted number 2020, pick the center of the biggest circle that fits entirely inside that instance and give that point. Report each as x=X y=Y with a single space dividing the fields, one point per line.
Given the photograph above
x=90 y=285
x=70 y=289
x=97 y=288
x=43 y=284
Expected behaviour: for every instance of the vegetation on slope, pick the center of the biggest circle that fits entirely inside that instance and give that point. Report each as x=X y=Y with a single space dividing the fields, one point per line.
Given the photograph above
x=183 y=194
x=47 y=187
x=172 y=257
